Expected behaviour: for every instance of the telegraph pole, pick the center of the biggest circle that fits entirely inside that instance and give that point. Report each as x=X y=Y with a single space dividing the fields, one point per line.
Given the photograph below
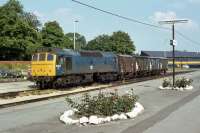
x=173 y=42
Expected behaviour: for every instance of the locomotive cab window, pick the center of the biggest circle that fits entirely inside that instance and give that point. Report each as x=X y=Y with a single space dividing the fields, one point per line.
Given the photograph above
x=60 y=60
x=50 y=57
x=65 y=63
x=35 y=57
x=42 y=57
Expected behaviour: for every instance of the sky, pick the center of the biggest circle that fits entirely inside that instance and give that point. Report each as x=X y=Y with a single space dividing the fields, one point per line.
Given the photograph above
x=93 y=23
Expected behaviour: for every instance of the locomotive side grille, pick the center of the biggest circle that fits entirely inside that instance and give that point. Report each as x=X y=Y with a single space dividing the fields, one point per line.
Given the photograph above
x=93 y=54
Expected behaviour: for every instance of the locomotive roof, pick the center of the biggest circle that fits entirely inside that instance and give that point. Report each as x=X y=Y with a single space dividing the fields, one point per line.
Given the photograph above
x=88 y=53
x=77 y=53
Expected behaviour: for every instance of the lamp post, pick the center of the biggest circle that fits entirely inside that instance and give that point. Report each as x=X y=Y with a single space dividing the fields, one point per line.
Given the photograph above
x=173 y=42
x=75 y=21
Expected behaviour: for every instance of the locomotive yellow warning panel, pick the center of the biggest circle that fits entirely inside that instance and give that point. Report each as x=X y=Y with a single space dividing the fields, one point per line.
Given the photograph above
x=43 y=64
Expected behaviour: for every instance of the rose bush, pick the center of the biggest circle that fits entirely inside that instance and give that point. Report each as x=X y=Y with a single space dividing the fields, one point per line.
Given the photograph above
x=104 y=104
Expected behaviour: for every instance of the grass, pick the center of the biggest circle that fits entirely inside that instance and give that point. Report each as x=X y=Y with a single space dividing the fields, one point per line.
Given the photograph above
x=28 y=93
x=36 y=92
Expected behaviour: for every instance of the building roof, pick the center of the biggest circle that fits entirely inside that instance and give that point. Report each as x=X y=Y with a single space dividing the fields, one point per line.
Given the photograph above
x=168 y=54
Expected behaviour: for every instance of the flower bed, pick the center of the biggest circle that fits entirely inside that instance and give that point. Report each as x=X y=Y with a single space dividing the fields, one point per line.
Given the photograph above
x=180 y=84
x=103 y=108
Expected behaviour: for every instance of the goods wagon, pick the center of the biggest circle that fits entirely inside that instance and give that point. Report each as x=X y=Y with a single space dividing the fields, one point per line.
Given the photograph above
x=142 y=65
x=126 y=66
x=163 y=65
x=154 y=65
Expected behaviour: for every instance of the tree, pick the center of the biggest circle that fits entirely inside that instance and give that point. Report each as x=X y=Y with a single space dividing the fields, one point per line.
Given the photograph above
x=31 y=19
x=16 y=33
x=80 y=40
x=68 y=43
x=102 y=43
x=52 y=35
x=122 y=43
x=119 y=42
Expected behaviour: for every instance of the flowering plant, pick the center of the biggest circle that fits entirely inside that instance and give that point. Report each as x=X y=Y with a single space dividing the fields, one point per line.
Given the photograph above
x=104 y=104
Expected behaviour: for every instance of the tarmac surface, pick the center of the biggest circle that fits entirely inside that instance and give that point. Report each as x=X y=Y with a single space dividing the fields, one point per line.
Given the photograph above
x=165 y=111
x=186 y=119
x=16 y=86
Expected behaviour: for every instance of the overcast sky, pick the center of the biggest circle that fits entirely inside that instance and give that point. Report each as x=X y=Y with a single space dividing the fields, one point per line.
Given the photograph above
x=93 y=23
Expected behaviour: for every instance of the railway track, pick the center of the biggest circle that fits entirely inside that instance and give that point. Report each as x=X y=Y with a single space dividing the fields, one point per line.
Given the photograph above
x=113 y=84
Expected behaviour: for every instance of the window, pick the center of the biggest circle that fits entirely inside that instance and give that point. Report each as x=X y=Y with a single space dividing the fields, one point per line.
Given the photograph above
x=42 y=57
x=61 y=60
x=105 y=61
x=49 y=57
x=68 y=63
x=35 y=57
x=91 y=62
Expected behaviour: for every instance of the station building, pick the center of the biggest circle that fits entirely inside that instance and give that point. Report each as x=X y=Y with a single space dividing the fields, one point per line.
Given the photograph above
x=182 y=58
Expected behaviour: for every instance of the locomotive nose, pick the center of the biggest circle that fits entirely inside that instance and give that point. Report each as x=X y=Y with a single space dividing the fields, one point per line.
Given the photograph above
x=43 y=69
x=43 y=65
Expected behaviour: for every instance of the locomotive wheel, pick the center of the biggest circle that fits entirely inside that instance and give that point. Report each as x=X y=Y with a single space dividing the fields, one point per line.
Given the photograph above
x=55 y=85
x=42 y=85
x=49 y=85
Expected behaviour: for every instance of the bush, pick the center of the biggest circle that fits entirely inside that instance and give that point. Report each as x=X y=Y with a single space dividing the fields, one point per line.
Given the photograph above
x=183 y=82
x=13 y=70
x=166 y=83
x=104 y=104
